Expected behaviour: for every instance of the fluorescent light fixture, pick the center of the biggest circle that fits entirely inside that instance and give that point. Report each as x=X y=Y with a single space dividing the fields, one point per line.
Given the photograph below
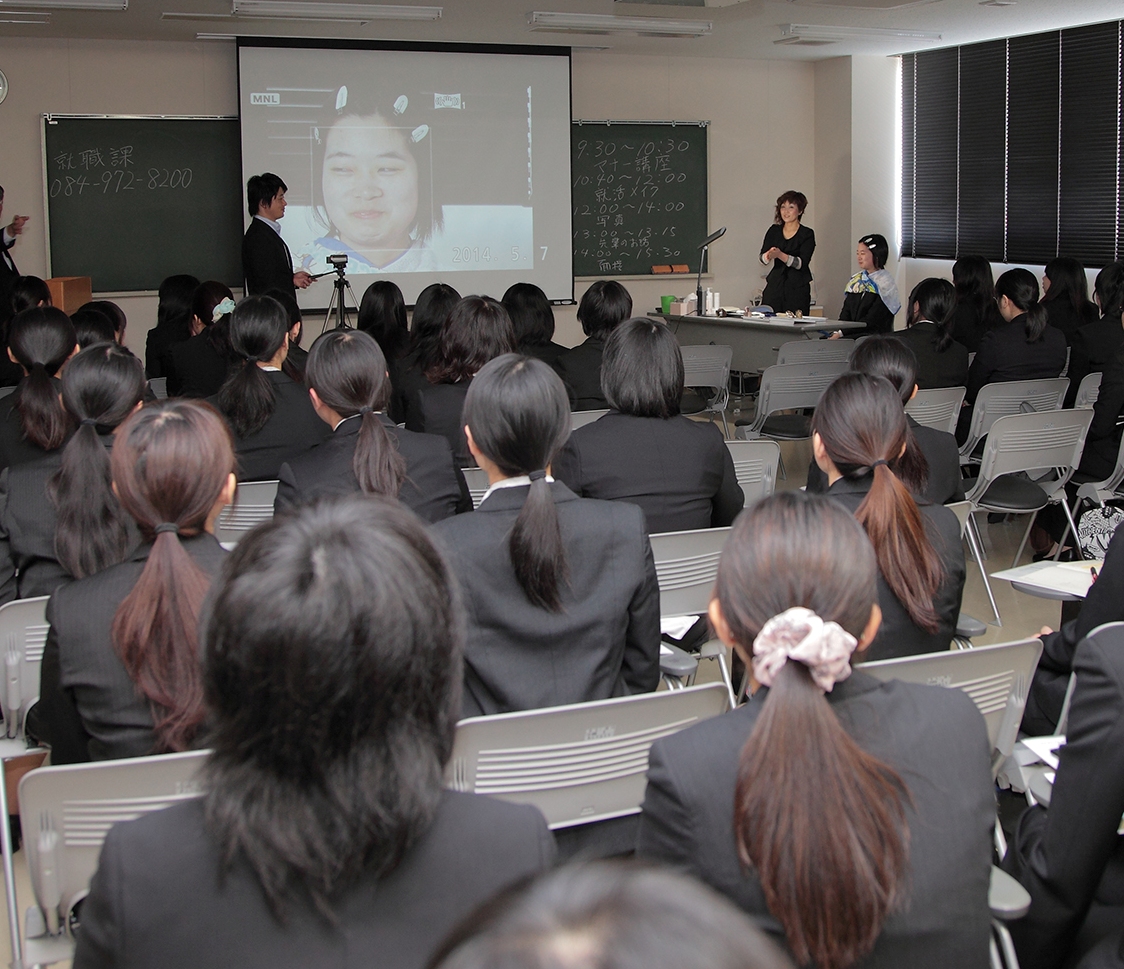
x=351 y=12
x=795 y=33
x=20 y=17
x=183 y=15
x=603 y=23
x=23 y=5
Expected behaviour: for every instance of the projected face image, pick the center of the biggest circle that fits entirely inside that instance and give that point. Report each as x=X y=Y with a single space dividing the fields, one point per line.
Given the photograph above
x=370 y=186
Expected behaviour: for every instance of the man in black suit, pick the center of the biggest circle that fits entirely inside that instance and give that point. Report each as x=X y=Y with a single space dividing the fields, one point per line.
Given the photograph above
x=266 y=261
x=8 y=272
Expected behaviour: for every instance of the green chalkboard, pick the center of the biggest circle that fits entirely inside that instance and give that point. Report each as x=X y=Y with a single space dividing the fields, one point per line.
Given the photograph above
x=638 y=194
x=132 y=200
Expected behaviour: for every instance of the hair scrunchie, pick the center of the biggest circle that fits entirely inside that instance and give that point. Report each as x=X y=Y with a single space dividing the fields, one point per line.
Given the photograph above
x=535 y=475
x=799 y=634
x=226 y=306
x=166 y=527
x=89 y=422
x=365 y=410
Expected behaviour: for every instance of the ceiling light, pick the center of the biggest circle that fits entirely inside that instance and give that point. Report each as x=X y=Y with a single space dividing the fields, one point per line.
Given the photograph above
x=20 y=17
x=6 y=5
x=602 y=23
x=183 y=15
x=352 y=12
x=798 y=33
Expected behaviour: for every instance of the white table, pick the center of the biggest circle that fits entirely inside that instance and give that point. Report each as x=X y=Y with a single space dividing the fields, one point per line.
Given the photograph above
x=1063 y=581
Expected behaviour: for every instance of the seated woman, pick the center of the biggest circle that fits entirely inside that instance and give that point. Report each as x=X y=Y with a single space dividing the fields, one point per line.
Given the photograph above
x=173 y=323
x=603 y=307
x=476 y=330
x=859 y=434
x=92 y=325
x=382 y=315
x=533 y=318
x=849 y=816
x=59 y=518
x=329 y=838
x=32 y=420
x=269 y=414
x=941 y=361
x=562 y=594
x=1065 y=294
x=121 y=674
x=349 y=388
x=644 y=451
x=434 y=304
x=871 y=296
x=295 y=359
x=975 y=313
x=1096 y=344
x=200 y=366
x=27 y=292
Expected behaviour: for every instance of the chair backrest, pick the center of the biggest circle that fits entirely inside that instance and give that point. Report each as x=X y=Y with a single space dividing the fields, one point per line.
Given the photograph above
x=707 y=366
x=997 y=678
x=793 y=386
x=253 y=504
x=67 y=811
x=938 y=407
x=755 y=464
x=1000 y=399
x=4 y=391
x=962 y=510
x=686 y=567
x=814 y=351
x=23 y=634
x=1088 y=390
x=1101 y=491
x=159 y=387
x=477 y=481
x=578 y=763
x=580 y=418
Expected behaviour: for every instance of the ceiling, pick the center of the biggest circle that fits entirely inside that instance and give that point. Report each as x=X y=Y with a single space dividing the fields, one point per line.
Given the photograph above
x=742 y=28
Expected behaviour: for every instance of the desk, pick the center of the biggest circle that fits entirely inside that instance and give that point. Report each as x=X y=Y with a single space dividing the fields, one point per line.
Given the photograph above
x=1064 y=581
x=755 y=342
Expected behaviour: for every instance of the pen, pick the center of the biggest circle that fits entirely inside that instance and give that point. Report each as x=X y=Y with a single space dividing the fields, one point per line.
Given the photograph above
x=1093 y=572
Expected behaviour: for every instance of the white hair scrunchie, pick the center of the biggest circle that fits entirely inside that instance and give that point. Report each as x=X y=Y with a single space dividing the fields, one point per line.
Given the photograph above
x=226 y=306
x=799 y=634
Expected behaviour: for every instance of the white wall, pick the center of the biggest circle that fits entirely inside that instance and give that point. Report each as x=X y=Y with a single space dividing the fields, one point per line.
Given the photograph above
x=831 y=218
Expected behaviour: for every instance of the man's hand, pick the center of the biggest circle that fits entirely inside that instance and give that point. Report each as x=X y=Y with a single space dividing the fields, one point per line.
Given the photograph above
x=302 y=280
x=17 y=224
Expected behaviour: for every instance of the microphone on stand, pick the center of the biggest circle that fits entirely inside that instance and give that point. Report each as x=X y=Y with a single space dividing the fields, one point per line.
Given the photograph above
x=705 y=247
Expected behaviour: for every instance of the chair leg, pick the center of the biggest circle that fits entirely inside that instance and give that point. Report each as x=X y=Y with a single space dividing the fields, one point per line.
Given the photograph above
x=1022 y=544
x=974 y=544
x=1071 y=525
x=780 y=464
x=725 y=425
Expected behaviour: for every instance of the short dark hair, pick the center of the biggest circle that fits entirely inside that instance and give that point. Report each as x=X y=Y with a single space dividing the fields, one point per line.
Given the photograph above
x=263 y=189
x=935 y=299
x=476 y=330
x=92 y=325
x=432 y=308
x=29 y=292
x=603 y=306
x=884 y=355
x=642 y=369
x=799 y=199
x=530 y=313
x=879 y=248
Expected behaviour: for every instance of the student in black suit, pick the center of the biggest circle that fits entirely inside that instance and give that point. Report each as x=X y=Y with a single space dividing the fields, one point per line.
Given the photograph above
x=349 y=388
x=1065 y=294
x=1070 y=857
x=1095 y=344
x=269 y=414
x=297 y=357
x=8 y=271
x=850 y=816
x=975 y=313
x=859 y=434
x=871 y=296
x=533 y=320
x=200 y=365
x=326 y=836
x=476 y=330
x=434 y=304
x=644 y=451
x=603 y=307
x=59 y=518
x=173 y=323
x=382 y=314
x=266 y=261
x=941 y=361
x=563 y=604
x=27 y=292
x=121 y=675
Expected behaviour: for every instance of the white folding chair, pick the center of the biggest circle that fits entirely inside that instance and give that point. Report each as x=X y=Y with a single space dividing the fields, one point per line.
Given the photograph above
x=580 y=418
x=1011 y=397
x=253 y=504
x=968 y=627
x=66 y=812
x=938 y=407
x=815 y=351
x=709 y=367
x=578 y=763
x=1088 y=390
x=4 y=391
x=477 y=481
x=793 y=386
x=159 y=387
x=755 y=464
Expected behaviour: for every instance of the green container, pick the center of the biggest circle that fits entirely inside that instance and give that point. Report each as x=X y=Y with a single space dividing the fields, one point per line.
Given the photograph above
x=665 y=303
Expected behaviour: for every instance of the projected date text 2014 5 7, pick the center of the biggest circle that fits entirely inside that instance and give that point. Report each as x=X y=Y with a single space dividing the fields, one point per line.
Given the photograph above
x=110 y=182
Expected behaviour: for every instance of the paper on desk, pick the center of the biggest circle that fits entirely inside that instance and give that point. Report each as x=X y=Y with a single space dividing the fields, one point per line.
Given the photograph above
x=1045 y=748
x=1071 y=578
x=676 y=626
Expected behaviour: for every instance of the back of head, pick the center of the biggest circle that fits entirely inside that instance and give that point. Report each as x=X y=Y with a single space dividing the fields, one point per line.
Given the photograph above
x=1021 y=288
x=291 y=368
x=209 y=305
x=347 y=610
x=642 y=369
x=476 y=330
x=382 y=314
x=172 y=462
x=259 y=327
x=41 y=339
x=879 y=248
x=114 y=312
x=347 y=370
x=432 y=308
x=1067 y=282
x=884 y=355
x=92 y=325
x=101 y=387
x=609 y=915
x=972 y=279
x=518 y=414
x=29 y=292
x=174 y=308
x=603 y=306
x=1109 y=289
x=935 y=300
x=262 y=189
x=531 y=315
x=820 y=821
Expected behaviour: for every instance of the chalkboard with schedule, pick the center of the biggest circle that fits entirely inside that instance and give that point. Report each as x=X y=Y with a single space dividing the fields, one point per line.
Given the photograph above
x=638 y=195
x=131 y=200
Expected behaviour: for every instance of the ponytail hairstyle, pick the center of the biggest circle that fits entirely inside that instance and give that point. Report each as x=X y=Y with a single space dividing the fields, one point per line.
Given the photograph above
x=290 y=368
x=29 y=292
x=1068 y=280
x=519 y=416
x=258 y=329
x=207 y=299
x=862 y=425
x=42 y=340
x=1109 y=289
x=382 y=314
x=347 y=370
x=935 y=300
x=101 y=387
x=821 y=821
x=476 y=330
x=170 y=464
x=1021 y=288
x=434 y=304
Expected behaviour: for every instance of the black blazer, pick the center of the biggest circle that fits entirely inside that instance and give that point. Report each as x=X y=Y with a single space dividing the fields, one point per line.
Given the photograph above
x=678 y=471
x=1070 y=857
x=436 y=409
x=266 y=261
x=406 y=379
x=788 y=288
x=291 y=430
x=867 y=308
x=160 y=896
x=970 y=323
x=197 y=368
x=8 y=276
x=580 y=370
x=1094 y=345
x=546 y=352
x=947 y=368
x=158 y=345
x=1005 y=355
x=434 y=487
x=1064 y=317
x=1102 y=443
x=604 y=642
x=936 y=740
x=89 y=708
x=898 y=635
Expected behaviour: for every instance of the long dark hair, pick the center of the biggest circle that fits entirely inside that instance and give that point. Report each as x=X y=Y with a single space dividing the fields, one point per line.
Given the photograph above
x=1109 y=287
x=1068 y=280
x=433 y=307
x=382 y=314
x=519 y=416
x=1021 y=288
x=821 y=821
x=476 y=330
x=207 y=297
x=101 y=387
x=42 y=340
x=975 y=288
x=531 y=315
x=175 y=307
x=347 y=370
x=345 y=609
x=171 y=461
x=258 y=329
x=935 y=300
x=863 y=428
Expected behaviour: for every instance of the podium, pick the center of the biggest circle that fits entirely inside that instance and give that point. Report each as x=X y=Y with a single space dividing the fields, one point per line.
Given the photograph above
x=70 y=292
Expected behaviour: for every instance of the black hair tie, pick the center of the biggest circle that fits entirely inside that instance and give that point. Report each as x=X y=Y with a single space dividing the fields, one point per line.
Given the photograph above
x=89 y=422
x=874 y=464
x=365 y=410
x=536 y=475
x=166 y=527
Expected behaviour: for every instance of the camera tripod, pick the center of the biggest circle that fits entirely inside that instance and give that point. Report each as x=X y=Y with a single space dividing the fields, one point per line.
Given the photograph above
x=340 y=285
